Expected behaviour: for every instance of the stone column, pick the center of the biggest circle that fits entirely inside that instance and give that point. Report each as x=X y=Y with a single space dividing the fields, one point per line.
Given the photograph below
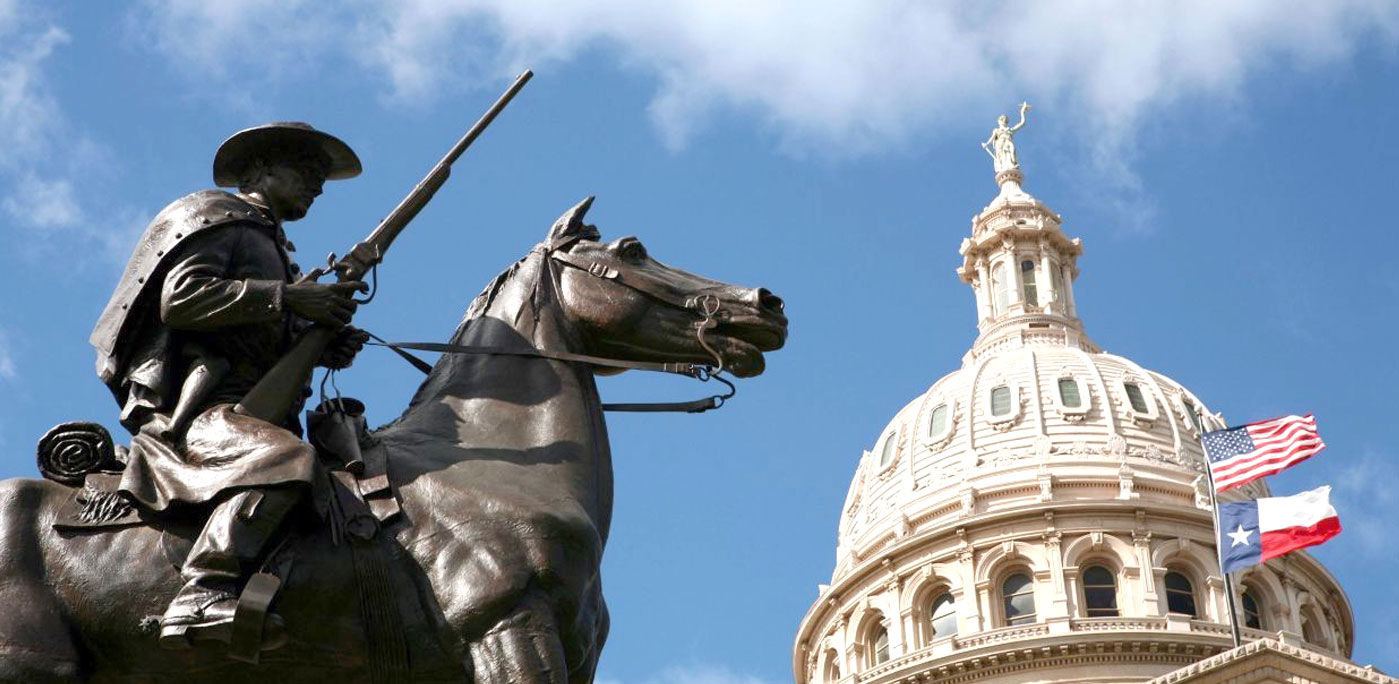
x=1048 y=295
x=1141 y=542
x=981 y=285
x=1012 y=262
x=1059 y=603
x=1069 y=307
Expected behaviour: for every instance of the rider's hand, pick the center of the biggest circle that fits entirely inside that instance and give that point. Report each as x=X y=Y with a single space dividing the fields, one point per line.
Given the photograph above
x=328 y=304
x=341 y=351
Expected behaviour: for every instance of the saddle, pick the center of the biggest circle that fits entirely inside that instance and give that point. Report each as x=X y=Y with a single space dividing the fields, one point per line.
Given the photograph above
x=356 y=499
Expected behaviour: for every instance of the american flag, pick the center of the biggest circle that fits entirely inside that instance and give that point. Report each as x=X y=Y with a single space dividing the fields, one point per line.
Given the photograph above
x=1243 y=454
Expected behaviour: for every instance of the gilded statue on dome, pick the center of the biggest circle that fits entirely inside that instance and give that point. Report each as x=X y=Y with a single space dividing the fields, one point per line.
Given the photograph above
x=1001 y=144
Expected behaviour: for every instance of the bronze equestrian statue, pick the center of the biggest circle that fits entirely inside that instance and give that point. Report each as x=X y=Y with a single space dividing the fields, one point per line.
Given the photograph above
x=460 y=543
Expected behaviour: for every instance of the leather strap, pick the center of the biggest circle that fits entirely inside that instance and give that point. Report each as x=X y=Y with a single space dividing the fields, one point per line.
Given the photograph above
x=687 y=369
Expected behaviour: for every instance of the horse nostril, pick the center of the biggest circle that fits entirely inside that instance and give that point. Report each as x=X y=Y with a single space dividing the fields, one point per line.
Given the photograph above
x=769 y=301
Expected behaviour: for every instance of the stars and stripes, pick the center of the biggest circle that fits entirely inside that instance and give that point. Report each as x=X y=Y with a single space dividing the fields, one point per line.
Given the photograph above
x=1242 y=454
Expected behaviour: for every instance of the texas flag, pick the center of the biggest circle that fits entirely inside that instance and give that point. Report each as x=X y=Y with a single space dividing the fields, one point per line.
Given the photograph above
x=1253 y=531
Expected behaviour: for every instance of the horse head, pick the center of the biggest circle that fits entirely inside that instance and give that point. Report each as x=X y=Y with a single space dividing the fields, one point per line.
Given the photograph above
x=627 y=305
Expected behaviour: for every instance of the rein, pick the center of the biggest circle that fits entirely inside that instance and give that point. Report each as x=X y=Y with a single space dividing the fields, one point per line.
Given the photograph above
x=706 y=305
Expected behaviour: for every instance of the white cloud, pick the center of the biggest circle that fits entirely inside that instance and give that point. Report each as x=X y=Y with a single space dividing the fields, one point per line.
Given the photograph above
x=1366 y=498
x=7 y=361
x=696 y=674
x=824 y=76
x=43 y=203
x=43 y=158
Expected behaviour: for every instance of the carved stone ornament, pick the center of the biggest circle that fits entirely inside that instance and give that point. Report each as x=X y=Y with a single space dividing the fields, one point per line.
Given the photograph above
x=1117 y=447
x=1043 y=446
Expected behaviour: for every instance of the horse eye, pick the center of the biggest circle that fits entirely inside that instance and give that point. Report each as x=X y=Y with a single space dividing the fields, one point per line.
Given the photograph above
x=633 y=250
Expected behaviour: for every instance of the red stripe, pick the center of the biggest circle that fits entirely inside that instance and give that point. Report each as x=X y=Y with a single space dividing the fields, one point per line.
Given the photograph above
x=1268 y=426
x=1289 y=432
x=1278 y=542
x=1237 y=478
x=1245 y=461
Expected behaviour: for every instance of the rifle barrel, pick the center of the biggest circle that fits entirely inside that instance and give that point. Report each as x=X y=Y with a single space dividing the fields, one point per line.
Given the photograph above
x=394 y=223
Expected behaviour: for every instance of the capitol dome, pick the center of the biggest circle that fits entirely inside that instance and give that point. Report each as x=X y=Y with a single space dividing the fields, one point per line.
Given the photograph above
x=1040 y=514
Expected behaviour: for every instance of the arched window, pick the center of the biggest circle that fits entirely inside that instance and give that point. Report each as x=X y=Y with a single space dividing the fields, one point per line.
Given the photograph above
x=1018 y=594
x=886 y=451
x=1000 y=400
x=942 y=617
x=1180 y=594
x=832 y=669
x=1069 y=395
x=1099 y=592
x=937 y=423
x=881 y=644
x=1253 y=617
x=1027 y=280
x=1311 y=628
x=1001 y=288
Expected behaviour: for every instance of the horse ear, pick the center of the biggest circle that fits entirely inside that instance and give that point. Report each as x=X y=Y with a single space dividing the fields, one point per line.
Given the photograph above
x=570 y=226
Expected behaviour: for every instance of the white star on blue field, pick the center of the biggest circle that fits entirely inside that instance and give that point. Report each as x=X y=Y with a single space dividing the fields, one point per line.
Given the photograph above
x=1227 y=169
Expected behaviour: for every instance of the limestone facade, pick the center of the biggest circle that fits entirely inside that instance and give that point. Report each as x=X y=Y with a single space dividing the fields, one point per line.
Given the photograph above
x=1039 y=514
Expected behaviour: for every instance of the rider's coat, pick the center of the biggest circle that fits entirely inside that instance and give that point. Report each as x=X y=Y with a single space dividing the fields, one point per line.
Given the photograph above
x=206 y=278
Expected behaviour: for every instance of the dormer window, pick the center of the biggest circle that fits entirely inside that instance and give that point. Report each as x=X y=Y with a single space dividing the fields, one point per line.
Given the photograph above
x=1027 y=280
x=887 y=448
x=1134 y=396
x=1072 y=398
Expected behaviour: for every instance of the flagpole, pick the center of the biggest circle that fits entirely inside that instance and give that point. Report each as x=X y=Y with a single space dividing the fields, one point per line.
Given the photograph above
x=1218 y=543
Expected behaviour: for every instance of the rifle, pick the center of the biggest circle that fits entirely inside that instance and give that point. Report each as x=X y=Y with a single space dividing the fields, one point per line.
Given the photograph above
x=272 y=397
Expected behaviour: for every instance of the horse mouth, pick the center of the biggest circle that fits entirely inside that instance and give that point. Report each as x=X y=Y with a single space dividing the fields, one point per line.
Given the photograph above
x=745 y=340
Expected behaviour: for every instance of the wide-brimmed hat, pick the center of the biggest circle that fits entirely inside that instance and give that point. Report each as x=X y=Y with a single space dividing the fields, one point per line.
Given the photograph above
x=290 y=137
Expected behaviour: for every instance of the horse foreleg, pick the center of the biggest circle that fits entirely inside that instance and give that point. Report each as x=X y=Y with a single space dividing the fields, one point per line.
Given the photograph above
x=523 y=648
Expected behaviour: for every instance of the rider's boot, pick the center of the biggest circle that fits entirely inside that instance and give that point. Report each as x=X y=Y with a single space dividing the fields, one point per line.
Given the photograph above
x=234 y=537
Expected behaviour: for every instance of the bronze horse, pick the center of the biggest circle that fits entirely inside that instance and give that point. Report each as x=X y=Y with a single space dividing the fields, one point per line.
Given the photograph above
x=504 y=474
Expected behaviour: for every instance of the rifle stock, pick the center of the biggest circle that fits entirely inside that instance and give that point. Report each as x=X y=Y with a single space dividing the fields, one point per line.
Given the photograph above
x=272 y=398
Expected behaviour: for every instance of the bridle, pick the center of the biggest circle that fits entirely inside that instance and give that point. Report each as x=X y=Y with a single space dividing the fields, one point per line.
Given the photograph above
x=707 y=306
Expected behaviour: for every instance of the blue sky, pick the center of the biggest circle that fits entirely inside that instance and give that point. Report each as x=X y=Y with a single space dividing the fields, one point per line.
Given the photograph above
x=1228 y=165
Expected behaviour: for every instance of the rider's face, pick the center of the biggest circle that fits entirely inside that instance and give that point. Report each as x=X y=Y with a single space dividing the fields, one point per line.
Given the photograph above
x=291 y=187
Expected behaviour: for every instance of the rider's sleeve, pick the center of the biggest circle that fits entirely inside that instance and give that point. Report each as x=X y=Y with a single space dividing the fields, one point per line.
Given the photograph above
x=201 y=290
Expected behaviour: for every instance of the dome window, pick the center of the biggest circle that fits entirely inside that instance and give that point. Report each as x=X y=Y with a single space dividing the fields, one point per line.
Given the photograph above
x=1003 y=405
x=1253 y=617
x=1018 y=595
x=1099 y=592
x=1000 y=401
x=1027 y=280
x=1141 y=407
x=1180 y=594
x=943 y=616
x=938 y=428
x=1069 y=395
x=888 y=448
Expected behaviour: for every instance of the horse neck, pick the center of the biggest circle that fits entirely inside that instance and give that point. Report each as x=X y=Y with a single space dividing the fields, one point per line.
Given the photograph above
x=473 y=399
